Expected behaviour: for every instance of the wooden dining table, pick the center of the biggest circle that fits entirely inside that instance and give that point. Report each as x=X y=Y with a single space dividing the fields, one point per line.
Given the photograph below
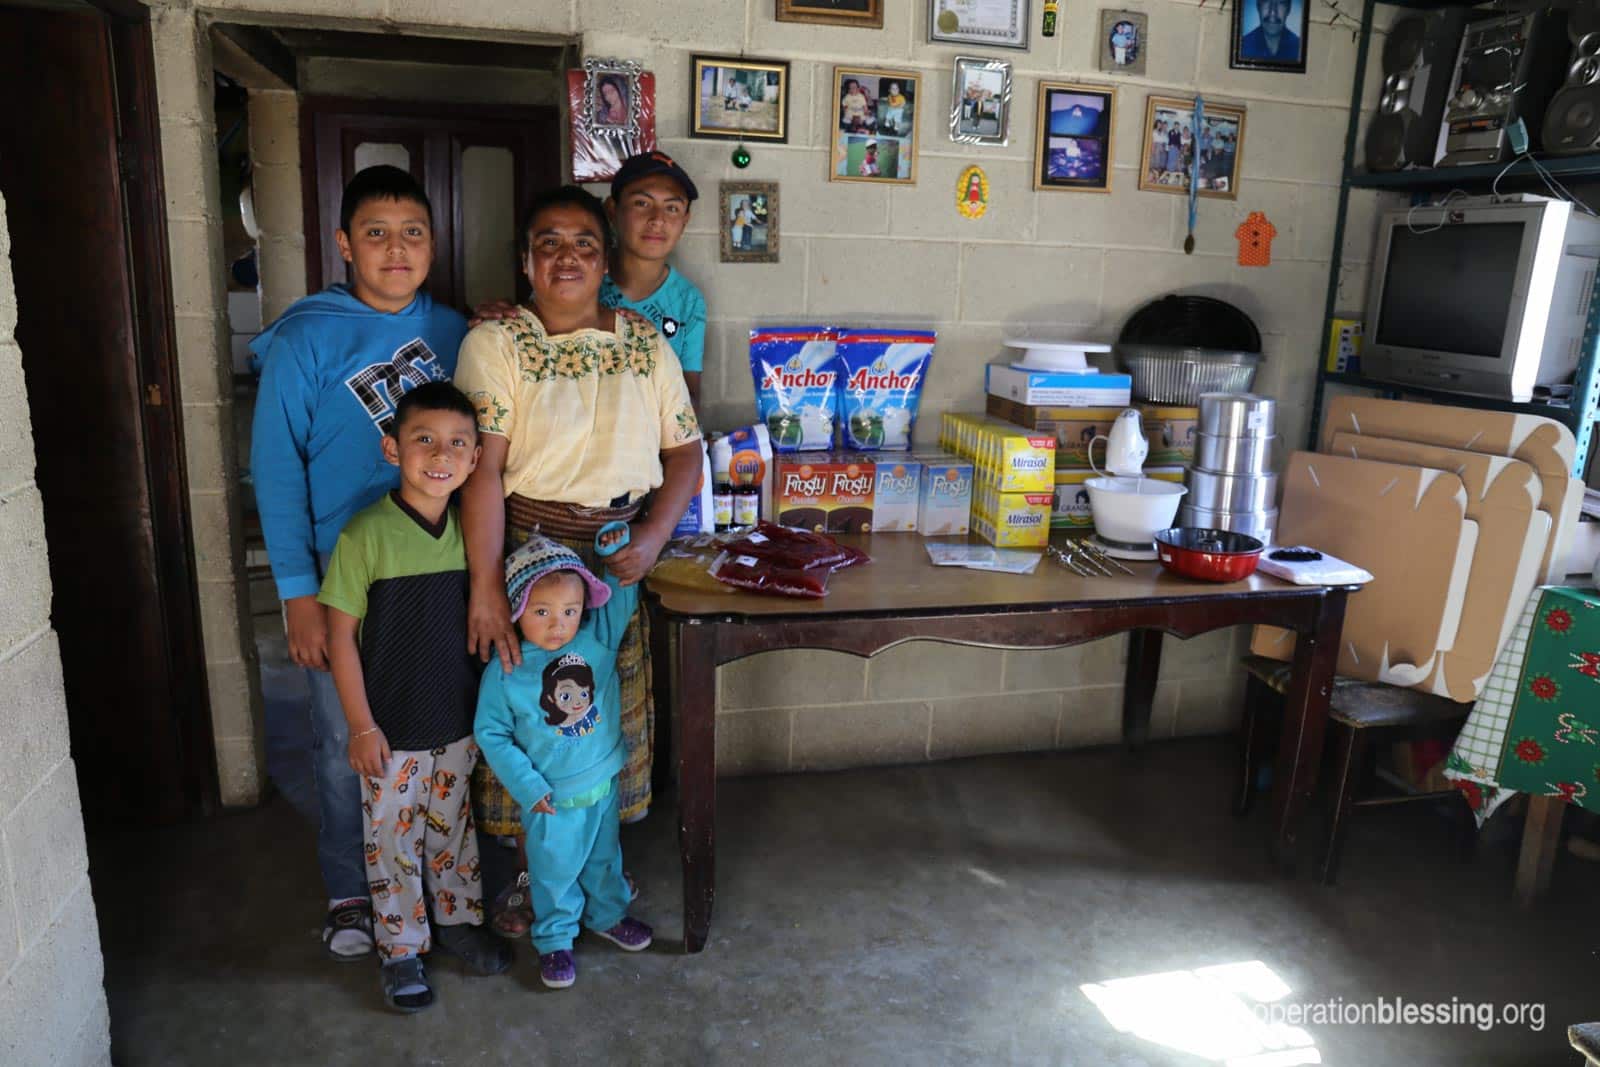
x=901 y=596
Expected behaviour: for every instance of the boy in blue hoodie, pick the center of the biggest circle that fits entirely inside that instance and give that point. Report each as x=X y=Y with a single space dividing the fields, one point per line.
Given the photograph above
x=333 y=368
x=552 y=732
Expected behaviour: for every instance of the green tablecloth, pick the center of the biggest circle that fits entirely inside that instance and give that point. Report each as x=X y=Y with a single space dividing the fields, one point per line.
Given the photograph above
x=1536 y=726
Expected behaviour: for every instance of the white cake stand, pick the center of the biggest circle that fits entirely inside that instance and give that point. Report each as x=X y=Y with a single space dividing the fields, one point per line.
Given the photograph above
x=1046 y=354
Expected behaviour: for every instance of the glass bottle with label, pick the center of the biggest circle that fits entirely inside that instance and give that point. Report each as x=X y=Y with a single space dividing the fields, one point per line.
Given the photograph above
x=747 y=505
x=722 y=505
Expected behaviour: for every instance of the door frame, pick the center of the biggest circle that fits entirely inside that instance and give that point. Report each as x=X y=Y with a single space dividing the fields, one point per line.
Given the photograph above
x=315 y=166
x=161 y=411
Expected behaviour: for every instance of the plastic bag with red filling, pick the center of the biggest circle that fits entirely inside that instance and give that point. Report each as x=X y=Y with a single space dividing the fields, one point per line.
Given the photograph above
x=796 y=549
x=767 y=576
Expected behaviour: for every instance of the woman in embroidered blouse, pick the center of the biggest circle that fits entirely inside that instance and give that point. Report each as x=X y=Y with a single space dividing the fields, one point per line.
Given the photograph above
x=584 y=417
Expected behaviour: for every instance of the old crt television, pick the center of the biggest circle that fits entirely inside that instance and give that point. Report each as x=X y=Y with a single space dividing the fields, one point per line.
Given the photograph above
x=1477 y=296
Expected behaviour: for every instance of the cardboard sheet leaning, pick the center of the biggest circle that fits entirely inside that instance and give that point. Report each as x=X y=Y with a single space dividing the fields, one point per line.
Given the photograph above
x=1544 y=444
x=1408 y=526
x=1502 y=498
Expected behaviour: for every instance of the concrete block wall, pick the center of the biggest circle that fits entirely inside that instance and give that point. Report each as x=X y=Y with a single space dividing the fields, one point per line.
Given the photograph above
x=52 y=1000
x=194 y=227
x=1049 y=263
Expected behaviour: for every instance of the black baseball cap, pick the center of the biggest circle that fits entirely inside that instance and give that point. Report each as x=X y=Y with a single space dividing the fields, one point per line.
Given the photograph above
x=647 y=163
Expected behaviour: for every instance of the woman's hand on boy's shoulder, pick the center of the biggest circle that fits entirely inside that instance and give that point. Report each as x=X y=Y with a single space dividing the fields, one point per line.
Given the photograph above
x=492 y=311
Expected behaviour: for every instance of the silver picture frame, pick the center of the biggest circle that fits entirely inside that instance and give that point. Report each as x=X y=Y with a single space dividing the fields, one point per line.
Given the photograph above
x=980 y=101
x=623 y=73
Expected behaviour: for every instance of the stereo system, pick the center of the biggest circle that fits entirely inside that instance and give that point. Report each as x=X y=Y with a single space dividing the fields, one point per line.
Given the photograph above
x=1507 y=68
x=1572 y=122
x=1418 y=60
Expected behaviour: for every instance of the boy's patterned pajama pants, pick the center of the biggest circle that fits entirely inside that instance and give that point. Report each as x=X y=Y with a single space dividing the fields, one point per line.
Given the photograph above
x=421 y=849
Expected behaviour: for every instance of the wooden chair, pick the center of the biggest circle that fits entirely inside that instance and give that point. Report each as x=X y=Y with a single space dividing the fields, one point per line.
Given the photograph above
x=1359 y=713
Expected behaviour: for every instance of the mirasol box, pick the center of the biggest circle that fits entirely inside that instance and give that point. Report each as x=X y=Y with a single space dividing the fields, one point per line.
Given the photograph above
x=1016 y=459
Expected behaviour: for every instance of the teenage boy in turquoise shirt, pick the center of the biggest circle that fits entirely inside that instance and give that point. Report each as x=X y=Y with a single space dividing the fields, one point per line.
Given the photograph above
x=333 y=368
x=651 y=197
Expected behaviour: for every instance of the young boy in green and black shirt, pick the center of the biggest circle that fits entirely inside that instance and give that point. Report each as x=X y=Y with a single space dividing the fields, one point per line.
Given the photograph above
x=396 y=593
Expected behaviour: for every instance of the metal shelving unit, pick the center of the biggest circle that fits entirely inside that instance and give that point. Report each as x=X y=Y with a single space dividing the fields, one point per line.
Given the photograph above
x=1580 y=412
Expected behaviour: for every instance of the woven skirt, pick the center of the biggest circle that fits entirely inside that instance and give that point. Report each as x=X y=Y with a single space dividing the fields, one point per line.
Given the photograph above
x=496 y=811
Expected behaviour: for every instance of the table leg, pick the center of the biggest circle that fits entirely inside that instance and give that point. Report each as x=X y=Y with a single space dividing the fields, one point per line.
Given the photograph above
x=1305 y=717
x=1541 y=836
x=694 y=726
x=661 y=672
x=1139 y=685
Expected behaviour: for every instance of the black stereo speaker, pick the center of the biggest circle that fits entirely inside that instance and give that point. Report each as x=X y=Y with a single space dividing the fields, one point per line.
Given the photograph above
x=1418 y=58
x=1572 y=121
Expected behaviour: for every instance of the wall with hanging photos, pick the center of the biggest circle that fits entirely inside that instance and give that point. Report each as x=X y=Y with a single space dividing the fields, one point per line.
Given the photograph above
x=1046 y=262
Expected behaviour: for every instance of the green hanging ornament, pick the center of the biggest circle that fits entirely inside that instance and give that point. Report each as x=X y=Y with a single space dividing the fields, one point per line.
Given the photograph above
x=741 y=157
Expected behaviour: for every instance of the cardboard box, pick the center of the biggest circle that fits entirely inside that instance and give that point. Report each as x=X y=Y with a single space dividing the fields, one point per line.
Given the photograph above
x=897 y=493
x=944 y=500
x=1170 y=431
x=1017 y=459
x=1073 y=428
x=1054 y=388
x=1069 y=506
x=824 y=491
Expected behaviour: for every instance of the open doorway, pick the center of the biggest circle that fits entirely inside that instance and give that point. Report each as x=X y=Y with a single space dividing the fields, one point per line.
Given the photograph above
x=476 y=122
x=81 y=174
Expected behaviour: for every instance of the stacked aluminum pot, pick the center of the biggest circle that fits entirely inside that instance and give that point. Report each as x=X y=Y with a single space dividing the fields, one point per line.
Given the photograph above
x=1232 y=481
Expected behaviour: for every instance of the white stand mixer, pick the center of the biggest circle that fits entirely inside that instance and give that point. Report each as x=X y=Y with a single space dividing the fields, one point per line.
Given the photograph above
x=1129 y=508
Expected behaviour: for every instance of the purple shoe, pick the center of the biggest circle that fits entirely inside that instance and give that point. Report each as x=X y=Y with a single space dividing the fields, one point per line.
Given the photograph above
x=630 y=935
x=556 y=969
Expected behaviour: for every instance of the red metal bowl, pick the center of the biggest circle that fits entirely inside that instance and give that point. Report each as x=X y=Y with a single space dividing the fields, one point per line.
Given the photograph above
x=1208 y=555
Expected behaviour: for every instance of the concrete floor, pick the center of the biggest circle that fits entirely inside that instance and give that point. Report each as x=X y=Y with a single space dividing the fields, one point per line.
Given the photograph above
x=931 y=915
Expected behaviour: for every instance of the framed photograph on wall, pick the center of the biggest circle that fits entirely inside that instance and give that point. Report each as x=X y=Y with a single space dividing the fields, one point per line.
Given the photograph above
x=874 y=122
x=739 y=99
x=1171 y=144
x=867 y=14
x=980 y=104
x=1123 y=41
x=1072 y=142
x=611 y=105
x=749 y=221
x=1269 y=35
x=987 y=23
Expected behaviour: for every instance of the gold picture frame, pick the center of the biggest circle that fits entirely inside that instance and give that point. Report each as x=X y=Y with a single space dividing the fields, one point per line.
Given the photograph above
x=1165 y=168
x=865 y=14
x=748 y=221
x=1074 y=137
x=873 y=126
x=732 y=98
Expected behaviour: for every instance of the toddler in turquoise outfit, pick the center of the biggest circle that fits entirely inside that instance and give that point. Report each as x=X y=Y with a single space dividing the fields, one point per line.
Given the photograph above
x=551 y=731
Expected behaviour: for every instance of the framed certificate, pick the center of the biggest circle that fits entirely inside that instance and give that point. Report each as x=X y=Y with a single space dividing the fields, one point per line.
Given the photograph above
x=990 y=23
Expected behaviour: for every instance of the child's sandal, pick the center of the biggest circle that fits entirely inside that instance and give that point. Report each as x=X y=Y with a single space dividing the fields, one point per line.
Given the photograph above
x=353 y=916
x=405 y=985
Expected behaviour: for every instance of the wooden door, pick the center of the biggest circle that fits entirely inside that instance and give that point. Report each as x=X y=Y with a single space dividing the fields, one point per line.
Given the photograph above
x=479 y=166
x=81 y=178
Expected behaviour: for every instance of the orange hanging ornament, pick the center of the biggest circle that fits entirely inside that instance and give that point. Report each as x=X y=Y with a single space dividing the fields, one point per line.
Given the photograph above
x=1255 y=236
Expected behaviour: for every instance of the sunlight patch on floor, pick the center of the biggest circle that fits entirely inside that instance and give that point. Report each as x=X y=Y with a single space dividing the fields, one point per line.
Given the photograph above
x=1212 y=1012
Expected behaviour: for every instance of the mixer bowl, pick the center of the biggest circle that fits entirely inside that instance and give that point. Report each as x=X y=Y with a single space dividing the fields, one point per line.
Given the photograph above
x=1131 y=510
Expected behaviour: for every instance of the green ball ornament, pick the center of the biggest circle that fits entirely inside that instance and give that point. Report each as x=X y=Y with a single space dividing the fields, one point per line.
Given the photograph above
x=741 y=157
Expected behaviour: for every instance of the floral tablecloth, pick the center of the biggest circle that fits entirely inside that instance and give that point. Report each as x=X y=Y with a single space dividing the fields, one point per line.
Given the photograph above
x=1536 y=726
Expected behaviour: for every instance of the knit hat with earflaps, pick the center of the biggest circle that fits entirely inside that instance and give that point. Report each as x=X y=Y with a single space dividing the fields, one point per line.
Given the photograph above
x=542 y=556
